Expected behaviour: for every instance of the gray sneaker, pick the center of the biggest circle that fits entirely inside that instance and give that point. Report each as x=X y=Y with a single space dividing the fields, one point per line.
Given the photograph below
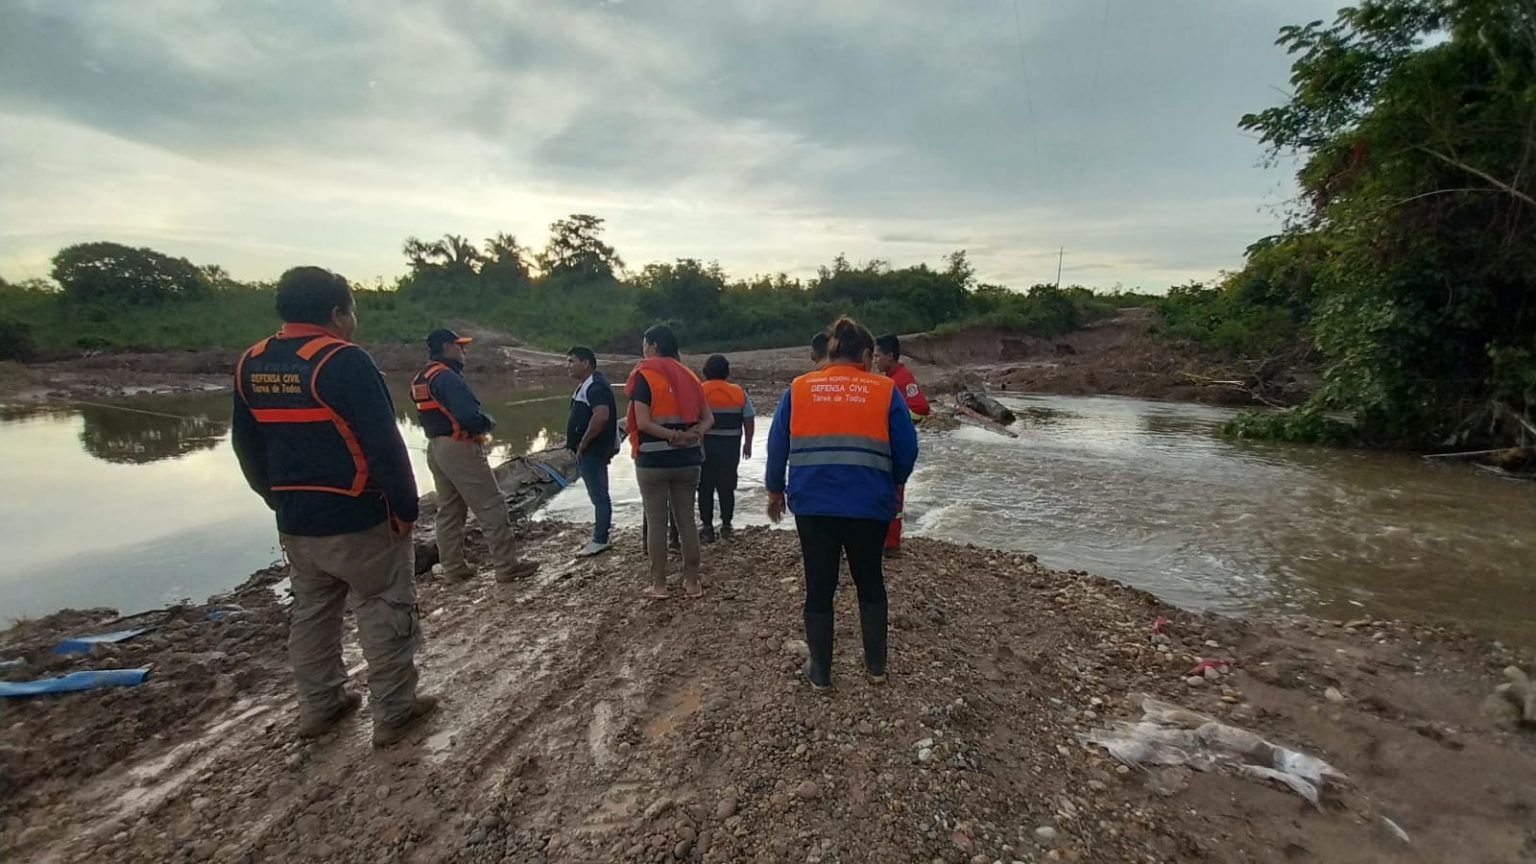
x=593 y=548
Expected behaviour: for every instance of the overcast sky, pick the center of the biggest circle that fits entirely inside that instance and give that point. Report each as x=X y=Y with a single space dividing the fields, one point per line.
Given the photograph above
x=767 y=134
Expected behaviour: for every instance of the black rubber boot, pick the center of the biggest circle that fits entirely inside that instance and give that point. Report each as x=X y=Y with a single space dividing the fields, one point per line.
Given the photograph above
x=818 y=638
x=707 y=534
x=872 y=621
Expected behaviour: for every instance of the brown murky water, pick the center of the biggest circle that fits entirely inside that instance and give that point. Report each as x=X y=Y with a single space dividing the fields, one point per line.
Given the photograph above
x=118 y=508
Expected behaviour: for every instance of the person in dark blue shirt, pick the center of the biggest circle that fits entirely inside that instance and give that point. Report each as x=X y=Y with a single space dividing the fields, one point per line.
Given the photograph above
x=592 y=433
x=458 y=456
x=314 y=430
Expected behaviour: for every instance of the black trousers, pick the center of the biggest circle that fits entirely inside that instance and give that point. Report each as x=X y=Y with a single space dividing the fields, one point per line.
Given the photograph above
x=823 y=542
x=722 y=458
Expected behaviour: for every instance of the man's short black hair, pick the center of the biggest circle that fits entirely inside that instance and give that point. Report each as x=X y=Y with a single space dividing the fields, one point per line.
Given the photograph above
x=819 y=346
x=889 y=344
x=584 y=354
x=717 y=368
x=308 y=295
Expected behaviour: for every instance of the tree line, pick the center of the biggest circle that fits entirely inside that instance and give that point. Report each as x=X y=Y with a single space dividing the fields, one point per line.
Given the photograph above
x=1408 y=265
x=574 y=289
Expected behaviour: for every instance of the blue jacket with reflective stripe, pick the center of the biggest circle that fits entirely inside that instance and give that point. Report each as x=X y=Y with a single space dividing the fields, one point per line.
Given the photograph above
x=852 y=491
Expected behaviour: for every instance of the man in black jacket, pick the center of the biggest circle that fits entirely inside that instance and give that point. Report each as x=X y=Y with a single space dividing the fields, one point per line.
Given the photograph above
x=314 y=430
x=460 y=462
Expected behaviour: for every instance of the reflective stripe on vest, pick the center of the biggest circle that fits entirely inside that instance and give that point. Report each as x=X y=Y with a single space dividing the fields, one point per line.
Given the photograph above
x=728 y=403
x=297 y=383
x=840 y=415
x=421 y=394
x=858 y=458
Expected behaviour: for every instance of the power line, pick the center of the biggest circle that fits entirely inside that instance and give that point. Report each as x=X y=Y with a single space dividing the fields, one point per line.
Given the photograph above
x=125 y=408
x=1098 y=67
x=1029 y=106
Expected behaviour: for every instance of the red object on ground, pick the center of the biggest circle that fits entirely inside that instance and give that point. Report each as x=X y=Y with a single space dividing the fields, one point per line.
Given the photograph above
x=893 y=533
x=1161 y=623
x=1210 y=664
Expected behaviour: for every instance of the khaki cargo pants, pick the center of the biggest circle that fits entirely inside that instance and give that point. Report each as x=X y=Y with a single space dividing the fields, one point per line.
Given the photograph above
x=461 y=471
x=378 y=570
x=664 y=493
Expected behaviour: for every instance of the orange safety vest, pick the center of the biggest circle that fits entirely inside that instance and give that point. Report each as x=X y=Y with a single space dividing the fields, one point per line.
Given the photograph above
x=310 y=447
x=665 y=411
x=840 y=415
x=728 y=403
x=421 y=394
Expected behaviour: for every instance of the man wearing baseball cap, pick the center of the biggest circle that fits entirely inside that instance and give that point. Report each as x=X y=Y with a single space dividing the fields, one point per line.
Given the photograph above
x=458 y=459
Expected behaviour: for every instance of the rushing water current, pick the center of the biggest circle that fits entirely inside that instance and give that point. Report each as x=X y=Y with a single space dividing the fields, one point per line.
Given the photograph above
x=113 y=507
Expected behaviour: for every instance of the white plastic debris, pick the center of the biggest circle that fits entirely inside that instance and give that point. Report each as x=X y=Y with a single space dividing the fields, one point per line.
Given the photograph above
x=1170 y=735
x=1395 y=829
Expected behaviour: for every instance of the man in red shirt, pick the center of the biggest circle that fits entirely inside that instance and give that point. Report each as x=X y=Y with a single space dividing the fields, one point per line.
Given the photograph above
x=887 y=358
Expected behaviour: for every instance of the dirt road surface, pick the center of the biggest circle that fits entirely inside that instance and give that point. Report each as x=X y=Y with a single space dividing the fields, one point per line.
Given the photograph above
x=581 y=724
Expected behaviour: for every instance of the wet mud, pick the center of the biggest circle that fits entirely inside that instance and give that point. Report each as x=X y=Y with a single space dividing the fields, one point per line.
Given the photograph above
x=580 y=723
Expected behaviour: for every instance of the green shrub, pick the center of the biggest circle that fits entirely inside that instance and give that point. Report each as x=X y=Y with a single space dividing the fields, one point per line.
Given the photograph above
x=1307 y=425
x=16 y=340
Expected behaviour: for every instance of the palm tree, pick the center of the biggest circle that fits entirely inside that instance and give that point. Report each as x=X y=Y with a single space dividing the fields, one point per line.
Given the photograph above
x=504 y=247
x=418 y=253
x=457 y=252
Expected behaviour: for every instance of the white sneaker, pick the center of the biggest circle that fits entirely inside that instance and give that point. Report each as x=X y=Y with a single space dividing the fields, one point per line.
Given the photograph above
x=593 y=548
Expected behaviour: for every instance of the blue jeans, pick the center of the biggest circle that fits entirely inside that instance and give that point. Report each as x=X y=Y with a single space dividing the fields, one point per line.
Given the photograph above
x=594 y=473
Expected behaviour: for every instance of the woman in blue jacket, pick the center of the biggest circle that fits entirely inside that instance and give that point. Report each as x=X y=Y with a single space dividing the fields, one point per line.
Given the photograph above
x=845 y=440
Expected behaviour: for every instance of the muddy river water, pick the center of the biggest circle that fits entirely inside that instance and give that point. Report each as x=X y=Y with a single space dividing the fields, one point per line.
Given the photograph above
x=141 y=503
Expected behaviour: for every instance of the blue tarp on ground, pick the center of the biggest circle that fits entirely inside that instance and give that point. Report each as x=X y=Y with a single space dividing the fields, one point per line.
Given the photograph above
x=74 y=682
x=83 y=644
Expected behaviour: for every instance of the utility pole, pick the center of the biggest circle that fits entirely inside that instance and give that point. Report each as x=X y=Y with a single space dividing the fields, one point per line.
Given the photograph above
x=1060 y=255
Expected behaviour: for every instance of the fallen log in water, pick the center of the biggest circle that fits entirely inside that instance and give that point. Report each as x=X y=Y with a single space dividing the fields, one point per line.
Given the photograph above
x=527 y=482
x=986 y=406
x=972 y=417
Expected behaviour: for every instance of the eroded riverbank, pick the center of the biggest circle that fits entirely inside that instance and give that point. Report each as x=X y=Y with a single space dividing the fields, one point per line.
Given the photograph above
x=1116 y=356
x=580 y=724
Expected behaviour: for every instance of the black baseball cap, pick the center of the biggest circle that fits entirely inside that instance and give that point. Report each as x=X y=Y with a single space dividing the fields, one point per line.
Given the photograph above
x=440 y=338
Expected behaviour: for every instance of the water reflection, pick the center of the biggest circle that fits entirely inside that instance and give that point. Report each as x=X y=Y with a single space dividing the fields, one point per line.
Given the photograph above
x=124 y=435
x=1144 y=492
x=141 y=503
x=141 y=431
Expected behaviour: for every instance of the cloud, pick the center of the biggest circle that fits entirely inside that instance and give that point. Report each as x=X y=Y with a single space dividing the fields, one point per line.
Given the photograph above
x=767 y=135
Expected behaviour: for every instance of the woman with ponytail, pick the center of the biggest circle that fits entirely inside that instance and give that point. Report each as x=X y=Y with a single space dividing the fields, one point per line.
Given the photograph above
x=844 y=438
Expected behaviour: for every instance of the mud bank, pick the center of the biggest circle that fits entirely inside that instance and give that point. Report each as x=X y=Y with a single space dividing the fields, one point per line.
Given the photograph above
x=580 y=724
x=1117 y=356
x=209 y=370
